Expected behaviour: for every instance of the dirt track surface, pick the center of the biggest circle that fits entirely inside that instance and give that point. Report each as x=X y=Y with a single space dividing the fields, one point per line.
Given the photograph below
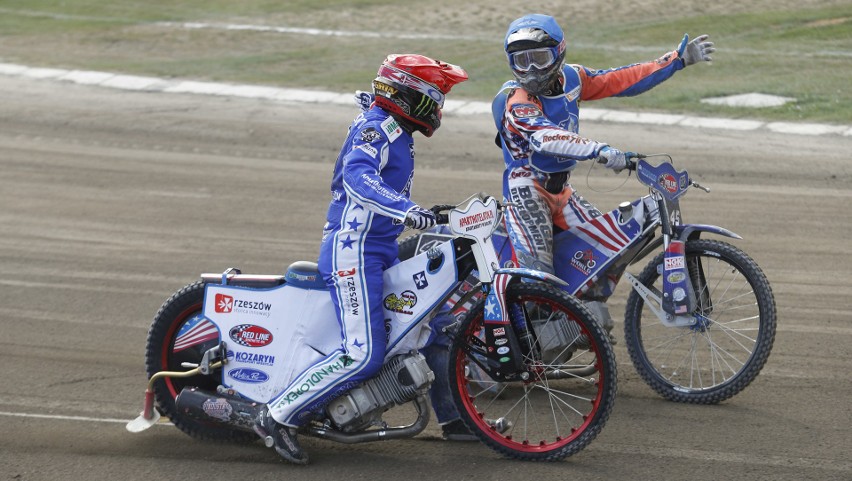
x=112 y=200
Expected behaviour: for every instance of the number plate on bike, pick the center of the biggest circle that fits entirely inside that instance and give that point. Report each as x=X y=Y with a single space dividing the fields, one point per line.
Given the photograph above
x=663 y=178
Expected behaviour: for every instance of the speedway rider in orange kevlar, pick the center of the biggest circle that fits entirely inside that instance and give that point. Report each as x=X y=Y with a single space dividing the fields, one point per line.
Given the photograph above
x=537 y=118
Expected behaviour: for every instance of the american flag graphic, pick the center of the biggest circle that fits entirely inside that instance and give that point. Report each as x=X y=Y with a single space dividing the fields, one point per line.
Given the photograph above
x=197 y=330
x=604 y=233
x=495 y=311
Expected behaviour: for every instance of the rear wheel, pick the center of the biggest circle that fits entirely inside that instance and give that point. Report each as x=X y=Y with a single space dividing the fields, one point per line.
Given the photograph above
x=566 y=399
x=734 y=331
x=180 y=334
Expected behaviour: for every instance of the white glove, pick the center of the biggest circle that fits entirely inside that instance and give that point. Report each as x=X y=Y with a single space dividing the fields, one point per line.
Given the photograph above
x=613 y=159
x=419 y=218
x=698 y=50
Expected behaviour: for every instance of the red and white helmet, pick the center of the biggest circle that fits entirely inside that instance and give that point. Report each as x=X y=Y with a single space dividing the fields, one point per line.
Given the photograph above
x=413 y=87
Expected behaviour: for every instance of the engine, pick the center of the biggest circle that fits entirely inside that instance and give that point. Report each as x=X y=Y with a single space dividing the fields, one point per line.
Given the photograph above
x=560 y=337
x=399 y=381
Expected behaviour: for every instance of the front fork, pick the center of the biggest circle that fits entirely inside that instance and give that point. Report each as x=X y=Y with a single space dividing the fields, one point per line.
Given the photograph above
x=509 y=339
x=675 y=305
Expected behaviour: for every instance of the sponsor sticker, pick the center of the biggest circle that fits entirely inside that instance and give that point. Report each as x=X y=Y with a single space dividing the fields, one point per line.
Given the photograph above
x=420 y=280
x=312 y=378
x=346 y=273
x=676 y=277
x=368 y=149
x=401 y=303
x=526 y=110
x=573 y=94
x=391 y=128
x=668 y=182
x=218 y=408
x=250 y=335
x=502 y=350
x=672 y=263
x=224 y=304
x=584 y=261
x=251 y=358
x=370 y=135
x=249 y=375
x=301 y=277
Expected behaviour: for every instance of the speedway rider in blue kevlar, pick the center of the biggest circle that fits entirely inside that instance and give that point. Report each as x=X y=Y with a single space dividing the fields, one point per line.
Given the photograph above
x=537 y=118
x=370 y=205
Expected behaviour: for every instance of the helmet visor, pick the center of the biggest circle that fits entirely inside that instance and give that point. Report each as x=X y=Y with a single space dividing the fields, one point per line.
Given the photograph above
x=540 y=58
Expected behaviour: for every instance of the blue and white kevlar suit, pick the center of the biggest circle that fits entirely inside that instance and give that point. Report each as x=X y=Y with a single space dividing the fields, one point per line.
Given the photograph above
x=540 y=143
x=370 y=198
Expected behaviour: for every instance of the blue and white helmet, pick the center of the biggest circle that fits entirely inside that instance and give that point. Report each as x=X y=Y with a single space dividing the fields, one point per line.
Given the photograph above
x=535 y=46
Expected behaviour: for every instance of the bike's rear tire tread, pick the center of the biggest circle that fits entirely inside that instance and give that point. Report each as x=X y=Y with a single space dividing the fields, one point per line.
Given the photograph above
x=768 y=320
x=598 y=336
x=162 y=330
x=407 y=247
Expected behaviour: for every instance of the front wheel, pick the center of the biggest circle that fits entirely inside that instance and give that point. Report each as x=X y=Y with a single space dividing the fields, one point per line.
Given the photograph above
x=565 y=400
x=181 y=334
x=726 y=348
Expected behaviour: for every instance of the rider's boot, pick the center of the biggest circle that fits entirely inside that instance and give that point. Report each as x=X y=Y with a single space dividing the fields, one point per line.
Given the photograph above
x=601 y=312
x=281 y=437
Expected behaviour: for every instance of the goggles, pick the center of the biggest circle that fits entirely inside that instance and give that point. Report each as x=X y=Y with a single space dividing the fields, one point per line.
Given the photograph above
x=412 y=82
x=540 y=58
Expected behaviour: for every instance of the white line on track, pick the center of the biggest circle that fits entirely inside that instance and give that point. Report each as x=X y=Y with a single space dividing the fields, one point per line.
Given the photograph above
x=64 y=418
x=153 y=84
x=653 y=451
x=497 y=37
x=458 y=107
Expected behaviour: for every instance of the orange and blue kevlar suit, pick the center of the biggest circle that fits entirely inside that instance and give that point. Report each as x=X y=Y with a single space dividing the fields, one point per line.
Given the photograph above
x=540 y=143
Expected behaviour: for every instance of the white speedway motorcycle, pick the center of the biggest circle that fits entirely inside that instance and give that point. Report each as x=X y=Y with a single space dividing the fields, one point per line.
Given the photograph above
x=222 y=347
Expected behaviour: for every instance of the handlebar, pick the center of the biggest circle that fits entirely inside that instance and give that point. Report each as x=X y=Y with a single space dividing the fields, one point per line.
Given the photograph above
x=632 y=158
x=440 y=217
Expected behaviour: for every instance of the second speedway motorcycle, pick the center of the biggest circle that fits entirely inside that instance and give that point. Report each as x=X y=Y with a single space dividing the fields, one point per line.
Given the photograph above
x=700 y=319
x=222 y=347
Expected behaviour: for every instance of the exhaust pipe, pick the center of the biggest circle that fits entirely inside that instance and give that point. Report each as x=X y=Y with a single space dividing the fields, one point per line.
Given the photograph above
x=223 y=408
x=219 y=407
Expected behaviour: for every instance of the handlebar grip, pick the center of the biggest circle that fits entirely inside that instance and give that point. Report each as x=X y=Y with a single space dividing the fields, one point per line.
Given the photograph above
x=441 y=207
x=631 y=160
x=440 y=218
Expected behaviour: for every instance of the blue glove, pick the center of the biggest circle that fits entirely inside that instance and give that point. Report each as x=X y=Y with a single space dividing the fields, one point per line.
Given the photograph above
x=364 y=100
x=420 y=218
x=613 y=158
x=698 y=50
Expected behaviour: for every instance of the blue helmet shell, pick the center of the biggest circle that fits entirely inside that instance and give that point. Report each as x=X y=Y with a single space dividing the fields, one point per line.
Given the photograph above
x=542 y=22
